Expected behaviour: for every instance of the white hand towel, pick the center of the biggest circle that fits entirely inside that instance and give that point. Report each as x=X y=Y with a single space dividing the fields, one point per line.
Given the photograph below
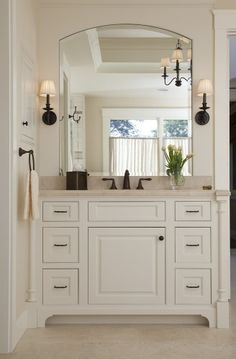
x=31 y=207
x=27 y=197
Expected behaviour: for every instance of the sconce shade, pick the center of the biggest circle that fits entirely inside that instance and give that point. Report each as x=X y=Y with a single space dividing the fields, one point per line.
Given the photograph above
x=47 y=88
x=204 y=87
x=165 y=62
x=177 y=55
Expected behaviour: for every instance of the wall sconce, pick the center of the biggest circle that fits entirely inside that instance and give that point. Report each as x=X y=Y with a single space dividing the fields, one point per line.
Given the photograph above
x=76 y=115
x=204 y=89
x=47 y=89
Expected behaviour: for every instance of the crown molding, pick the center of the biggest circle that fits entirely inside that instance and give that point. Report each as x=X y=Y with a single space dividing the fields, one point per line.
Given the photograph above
x=133 y=3
x=224 y=11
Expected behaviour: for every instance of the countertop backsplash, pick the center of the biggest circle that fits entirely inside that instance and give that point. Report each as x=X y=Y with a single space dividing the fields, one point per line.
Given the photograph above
x=95 y=182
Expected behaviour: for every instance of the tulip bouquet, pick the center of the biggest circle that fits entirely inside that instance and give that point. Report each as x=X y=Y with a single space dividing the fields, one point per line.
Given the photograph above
x=175 y=162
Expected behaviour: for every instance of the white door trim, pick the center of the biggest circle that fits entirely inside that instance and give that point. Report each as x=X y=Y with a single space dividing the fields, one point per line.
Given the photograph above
x=7 y=298
x=225 y=25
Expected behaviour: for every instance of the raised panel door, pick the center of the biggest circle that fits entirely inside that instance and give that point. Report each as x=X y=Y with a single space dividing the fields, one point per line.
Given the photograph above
x=126 y=265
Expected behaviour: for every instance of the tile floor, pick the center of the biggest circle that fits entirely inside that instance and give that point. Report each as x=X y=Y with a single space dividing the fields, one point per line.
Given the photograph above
x=131 y=341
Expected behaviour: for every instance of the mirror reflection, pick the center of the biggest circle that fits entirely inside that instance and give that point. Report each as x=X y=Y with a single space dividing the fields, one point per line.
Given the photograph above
x=125 y=92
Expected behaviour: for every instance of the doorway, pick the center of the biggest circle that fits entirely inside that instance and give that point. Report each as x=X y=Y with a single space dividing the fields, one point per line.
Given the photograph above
x=232 y=110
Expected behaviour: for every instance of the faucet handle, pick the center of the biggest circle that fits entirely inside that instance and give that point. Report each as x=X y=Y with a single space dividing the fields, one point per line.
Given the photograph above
x=140 y=185
x=113 y=184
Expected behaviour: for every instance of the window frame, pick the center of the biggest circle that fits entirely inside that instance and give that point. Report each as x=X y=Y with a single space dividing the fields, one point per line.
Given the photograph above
x=159 y=114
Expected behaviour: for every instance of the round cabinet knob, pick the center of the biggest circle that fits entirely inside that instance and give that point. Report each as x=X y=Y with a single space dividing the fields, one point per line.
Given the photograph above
x=161 y=238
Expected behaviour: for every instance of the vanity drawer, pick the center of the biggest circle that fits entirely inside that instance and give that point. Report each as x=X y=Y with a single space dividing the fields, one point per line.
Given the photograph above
x=126 y=211
x=192 y=245
x=60 y=286
x=193 y=286
x=60 y=211
x=60 y=245
x=193 y=211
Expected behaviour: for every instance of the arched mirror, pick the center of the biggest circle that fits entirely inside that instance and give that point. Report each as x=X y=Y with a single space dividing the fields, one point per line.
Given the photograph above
x=125 y=92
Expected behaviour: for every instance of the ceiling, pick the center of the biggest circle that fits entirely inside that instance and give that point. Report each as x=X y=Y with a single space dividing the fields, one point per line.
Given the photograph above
x=115 y=62
x=220 y=4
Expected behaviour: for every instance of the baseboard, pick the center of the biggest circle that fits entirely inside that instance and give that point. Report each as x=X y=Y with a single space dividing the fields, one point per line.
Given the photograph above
x=20 y=327
x=32 y=316
x=126 y=319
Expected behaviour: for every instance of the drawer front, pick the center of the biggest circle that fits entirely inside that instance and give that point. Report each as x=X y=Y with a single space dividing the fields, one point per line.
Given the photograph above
x=60 y=245
x=193 y=286
x=60 y=211
x=60 y=286
x=193 y=211
x=126 y=211
x=192 y=245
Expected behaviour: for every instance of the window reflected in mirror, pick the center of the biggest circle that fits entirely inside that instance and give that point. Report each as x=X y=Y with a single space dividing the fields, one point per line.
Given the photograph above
x=135 y=140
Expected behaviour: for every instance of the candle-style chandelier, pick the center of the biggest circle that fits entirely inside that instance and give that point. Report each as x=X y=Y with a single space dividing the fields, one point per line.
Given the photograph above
x=177 y=57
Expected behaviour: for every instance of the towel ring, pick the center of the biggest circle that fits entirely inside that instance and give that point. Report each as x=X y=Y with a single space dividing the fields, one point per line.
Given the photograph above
x=31 y=156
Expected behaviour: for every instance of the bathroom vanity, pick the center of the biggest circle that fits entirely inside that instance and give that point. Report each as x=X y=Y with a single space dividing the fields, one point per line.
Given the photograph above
x=150 y=252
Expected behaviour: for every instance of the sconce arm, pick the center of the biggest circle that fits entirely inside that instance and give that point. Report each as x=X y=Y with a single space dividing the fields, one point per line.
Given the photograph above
x=169 y=83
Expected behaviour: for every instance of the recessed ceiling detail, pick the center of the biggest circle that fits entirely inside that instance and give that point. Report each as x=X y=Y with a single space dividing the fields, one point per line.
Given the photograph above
x=121 y=60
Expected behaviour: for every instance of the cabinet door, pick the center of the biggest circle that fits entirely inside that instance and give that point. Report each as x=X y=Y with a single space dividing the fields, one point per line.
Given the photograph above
x=127 y=265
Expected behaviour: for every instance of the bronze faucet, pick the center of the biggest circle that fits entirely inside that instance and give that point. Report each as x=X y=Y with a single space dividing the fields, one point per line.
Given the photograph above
x=126 y=183
x=113 y=184
x=140 y=186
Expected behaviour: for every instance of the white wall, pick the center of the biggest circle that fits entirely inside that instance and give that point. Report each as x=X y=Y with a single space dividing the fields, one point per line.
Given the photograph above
x=193 y=21
x=225 y=4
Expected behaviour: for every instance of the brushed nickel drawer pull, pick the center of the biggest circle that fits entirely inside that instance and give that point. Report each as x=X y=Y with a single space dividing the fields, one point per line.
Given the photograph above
x=60 y=211
x=197 y=211
x=60 y=245
x=193 y=286
x=60 y=287
x=192 y=245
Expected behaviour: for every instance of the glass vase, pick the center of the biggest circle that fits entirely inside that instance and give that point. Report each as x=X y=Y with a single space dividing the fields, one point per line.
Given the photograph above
x=176 y=181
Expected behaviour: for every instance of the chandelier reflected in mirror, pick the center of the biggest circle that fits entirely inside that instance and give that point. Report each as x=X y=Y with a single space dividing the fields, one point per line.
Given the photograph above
x=177 y=58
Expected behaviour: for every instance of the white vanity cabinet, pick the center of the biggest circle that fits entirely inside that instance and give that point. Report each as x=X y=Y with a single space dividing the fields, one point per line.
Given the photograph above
x=136 y=254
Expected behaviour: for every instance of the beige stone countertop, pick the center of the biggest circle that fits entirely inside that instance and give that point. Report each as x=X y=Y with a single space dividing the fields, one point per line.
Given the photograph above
x=134 y=193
